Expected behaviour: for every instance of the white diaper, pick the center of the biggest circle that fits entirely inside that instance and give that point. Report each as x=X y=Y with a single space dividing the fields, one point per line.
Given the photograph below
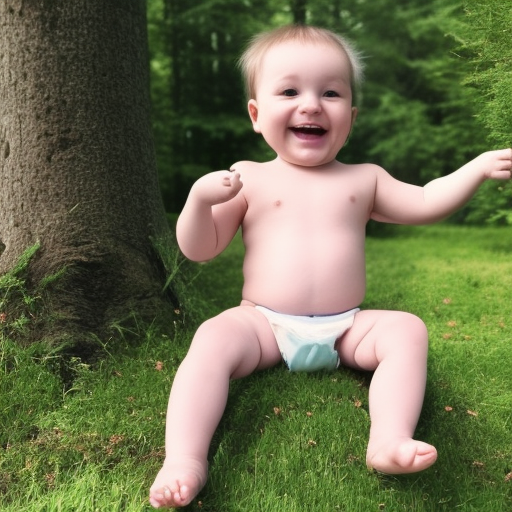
x=307 y=342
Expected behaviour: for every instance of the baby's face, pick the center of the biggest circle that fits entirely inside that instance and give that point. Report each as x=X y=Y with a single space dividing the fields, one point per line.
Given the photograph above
x=303 y=105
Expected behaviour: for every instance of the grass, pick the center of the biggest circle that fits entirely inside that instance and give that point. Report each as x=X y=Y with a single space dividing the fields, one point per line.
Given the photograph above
x=288 y=442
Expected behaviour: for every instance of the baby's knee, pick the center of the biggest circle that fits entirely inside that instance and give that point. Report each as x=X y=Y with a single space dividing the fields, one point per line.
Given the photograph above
x=409 y=328
x=220 y=331
x=415 y=332
x=209 y=340
x=416 y=325
x=209 y=331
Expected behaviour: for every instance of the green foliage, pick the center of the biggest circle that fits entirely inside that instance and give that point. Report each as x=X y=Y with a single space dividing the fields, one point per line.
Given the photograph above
x=29 y=387
x=199 y=117
x=417 y=119
x=18 y=307
x=181 y=276
x=487 y=38
x=483 y=37
x=491 y=205
x=25 y=310
x=91 y=446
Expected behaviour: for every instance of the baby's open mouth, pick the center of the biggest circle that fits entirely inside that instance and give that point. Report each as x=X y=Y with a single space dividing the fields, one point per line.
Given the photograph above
x=308 y=129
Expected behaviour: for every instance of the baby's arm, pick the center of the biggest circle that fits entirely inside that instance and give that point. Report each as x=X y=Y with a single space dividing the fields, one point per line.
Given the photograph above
x=211 y=216
x=407 y=204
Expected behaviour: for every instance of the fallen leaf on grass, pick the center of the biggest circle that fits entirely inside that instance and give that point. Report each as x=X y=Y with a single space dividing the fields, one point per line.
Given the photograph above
x=159 y=366
x=448 y=408
x=447 y=300
x=277 y=411
x=309 y=414
x=50 y=479
x=451 y=323
x=311 y=442
x=508 y=477
x=478 y=464
x=358 y=403
x=472 y=413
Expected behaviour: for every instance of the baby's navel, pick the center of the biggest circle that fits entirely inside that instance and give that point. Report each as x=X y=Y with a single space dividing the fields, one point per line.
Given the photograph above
x=277 y=203
x=352 y=199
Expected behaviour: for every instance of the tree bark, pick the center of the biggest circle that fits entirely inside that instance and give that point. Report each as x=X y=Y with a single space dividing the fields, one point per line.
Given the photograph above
x=299 y=9
x=77 y=165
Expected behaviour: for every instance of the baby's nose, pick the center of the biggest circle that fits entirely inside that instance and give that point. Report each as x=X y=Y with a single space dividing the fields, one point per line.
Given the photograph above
x=310 y=104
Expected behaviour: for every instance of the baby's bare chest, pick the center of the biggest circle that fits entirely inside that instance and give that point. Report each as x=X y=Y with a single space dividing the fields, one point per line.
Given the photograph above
x=309 y=201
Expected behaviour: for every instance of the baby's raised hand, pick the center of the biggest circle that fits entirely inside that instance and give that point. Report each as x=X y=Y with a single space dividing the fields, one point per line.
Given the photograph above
x=218 y=187
x=496 y=165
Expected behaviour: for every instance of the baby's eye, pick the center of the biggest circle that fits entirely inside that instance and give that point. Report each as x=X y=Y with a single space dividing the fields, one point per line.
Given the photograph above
x=331 y=94
x=289 y=92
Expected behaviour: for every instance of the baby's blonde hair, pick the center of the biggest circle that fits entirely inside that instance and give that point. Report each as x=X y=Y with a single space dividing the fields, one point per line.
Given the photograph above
x=250 y=61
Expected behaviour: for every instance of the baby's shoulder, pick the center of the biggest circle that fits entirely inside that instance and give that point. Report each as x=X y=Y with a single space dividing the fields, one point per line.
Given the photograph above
x=251 y=172
x=360 y=168
x=365 y=174
x=246 y=166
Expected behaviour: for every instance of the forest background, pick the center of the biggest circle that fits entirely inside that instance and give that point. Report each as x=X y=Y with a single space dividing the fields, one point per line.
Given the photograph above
x=435 y=95
x=82 y=434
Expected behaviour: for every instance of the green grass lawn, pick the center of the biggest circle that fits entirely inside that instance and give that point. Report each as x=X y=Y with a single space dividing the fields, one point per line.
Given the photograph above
x=288 y=442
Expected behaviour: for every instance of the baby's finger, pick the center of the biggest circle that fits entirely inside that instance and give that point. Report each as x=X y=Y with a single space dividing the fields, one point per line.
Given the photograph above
x=235 y=178
x=505 y=154
x=505 y=174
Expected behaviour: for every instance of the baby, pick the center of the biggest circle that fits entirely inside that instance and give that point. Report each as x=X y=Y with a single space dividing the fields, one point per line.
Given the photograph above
x=303 y=218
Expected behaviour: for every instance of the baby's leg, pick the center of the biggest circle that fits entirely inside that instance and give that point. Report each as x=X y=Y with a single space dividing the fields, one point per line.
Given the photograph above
x=231 y=345
x=395 y=345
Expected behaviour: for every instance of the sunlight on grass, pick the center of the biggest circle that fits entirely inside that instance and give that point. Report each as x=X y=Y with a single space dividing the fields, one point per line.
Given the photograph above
x=94 y=489
x=288 y=442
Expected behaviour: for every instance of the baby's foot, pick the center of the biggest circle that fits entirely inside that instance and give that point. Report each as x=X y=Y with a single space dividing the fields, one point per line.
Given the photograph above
x=177 y=484
x=400 y=455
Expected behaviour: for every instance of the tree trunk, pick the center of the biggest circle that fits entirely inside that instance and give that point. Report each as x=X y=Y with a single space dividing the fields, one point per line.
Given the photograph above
x=77 y=166
x=299 y=8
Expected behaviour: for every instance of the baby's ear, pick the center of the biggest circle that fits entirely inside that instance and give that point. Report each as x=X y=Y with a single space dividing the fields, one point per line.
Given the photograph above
x=252 y=107
x=354 y=114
